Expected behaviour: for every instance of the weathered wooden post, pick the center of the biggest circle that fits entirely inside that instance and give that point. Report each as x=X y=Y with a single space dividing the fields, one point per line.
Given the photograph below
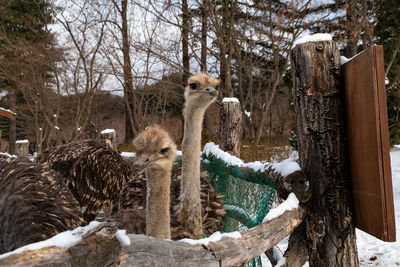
x=319 y=100
x=22 y=148
x=230 y=126
x=109 y=134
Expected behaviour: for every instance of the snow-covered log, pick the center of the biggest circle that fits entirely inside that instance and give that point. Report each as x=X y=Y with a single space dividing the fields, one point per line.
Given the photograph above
x=104 y=246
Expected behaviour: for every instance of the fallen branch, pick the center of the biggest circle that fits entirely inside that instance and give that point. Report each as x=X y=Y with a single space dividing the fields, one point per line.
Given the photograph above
x=100 y=247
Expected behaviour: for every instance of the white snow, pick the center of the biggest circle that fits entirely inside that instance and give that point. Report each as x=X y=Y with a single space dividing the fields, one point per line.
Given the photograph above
x=386 y=253
x=5 y=154
x=387 y=81
x=290 y=203
x=22 y=141
x=108 y=131
x=8 y=111
x=65 y=239
x=313 y=38
x=230 y=99
x=247 y=113
x=286 y=167
x=217 y=236
x=343 y=60
x=123 y=238
x=58 y=128
x=128 y=154
x=211 y=148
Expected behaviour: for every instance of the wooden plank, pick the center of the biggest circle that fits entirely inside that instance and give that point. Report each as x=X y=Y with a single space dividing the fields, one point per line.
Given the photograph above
x=368 y=144
x=6 y=114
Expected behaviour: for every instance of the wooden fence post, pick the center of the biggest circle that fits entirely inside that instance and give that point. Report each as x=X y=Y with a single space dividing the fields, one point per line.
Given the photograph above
x=319 y=100
x=230 y=126
x=22 y=148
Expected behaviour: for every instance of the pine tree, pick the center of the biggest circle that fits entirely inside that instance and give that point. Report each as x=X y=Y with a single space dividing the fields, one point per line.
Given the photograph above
x=24 y=41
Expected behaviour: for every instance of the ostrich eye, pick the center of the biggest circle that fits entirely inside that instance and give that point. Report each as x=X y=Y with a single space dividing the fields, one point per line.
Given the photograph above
x=193 y=86
x=164 y=150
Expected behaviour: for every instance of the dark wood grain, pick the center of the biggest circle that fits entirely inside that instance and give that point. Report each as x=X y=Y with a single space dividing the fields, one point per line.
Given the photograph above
x=368 y=144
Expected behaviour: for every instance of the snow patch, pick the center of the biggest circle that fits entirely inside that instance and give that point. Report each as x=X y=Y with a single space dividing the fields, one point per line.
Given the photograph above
x=314 y=38
x=230 y=99
x=343 y=60
x=247 y=113
x=108 y=131
x=286 y=167
x=128 y=154
x=290 y=203
x=8 y=111
x=22 y=141
x=65 y=239
x=123 y=238
x=211 y=148
x=217 y=236
x=5 y=154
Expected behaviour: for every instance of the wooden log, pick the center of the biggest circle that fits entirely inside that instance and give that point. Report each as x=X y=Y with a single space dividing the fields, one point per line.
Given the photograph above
x=100 y=247
x=318 y=97
x=230 y=126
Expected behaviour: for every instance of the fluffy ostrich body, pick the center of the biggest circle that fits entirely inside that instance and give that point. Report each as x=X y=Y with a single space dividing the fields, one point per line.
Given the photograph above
x=156 y=152
x=199 y=94
x=93 y=172
x=35 y=204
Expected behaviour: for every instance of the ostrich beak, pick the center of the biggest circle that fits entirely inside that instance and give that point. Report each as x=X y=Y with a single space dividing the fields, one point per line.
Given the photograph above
x=211 y=91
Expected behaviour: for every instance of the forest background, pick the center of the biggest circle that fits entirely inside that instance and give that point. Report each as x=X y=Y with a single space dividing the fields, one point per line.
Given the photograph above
x=72 y=68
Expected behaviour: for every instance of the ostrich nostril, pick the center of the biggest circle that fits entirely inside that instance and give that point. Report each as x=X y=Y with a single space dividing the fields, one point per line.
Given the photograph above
x=146 y=160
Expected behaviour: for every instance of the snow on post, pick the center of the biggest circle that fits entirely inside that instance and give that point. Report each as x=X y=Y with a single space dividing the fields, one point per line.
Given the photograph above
x=318 y=37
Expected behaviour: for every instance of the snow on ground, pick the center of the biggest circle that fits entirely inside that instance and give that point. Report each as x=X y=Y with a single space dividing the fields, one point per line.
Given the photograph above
x=372 y=251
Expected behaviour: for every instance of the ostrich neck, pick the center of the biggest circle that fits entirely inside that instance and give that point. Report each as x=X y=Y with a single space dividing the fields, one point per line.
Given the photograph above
x=158 y=203
x=191 y=146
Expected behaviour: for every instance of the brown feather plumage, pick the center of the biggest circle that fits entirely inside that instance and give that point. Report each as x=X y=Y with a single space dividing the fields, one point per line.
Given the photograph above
x=93 y=172
x=35 y=204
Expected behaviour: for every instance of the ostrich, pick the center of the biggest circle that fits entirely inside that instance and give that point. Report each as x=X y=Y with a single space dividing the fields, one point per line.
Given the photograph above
x=155 y=145
x=156 y=152
x=35 y=204
x=93 y=172
x=199 y=94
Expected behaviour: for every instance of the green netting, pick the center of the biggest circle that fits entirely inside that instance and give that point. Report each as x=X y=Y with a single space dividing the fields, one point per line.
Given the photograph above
x=248 y=195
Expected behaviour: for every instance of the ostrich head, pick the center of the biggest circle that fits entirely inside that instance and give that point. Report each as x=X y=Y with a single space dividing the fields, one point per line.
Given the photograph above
x=201 y=91
x=154 y=149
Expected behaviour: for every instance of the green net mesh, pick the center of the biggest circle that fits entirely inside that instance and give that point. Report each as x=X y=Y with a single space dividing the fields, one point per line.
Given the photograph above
x=248 y=195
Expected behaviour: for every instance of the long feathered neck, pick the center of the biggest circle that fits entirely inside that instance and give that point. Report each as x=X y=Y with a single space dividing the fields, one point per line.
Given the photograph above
x=158 y=202
x=190 y=210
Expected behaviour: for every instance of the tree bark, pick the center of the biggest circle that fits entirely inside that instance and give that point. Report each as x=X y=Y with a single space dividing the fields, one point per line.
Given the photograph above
x=319 y=108
x=231 y=127
x=204 y=28
x=100 y=247
x=130 y=131
x=185 y=42
x=13 y=123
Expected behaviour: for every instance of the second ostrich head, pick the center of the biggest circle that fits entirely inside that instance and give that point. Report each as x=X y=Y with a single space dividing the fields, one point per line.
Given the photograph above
x=156 y=152
x=201 y=91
